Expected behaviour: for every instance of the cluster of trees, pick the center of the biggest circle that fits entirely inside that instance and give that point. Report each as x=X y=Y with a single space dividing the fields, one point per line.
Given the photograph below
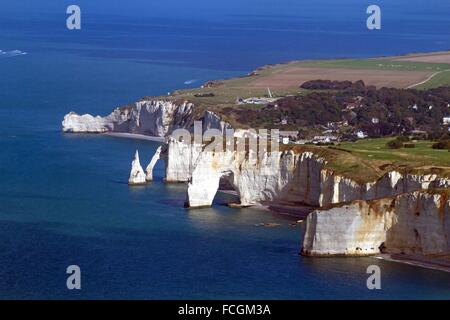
x=400 y=142
x=443 y=142
x=299 y=111
x=378 y=112
x=332 y=85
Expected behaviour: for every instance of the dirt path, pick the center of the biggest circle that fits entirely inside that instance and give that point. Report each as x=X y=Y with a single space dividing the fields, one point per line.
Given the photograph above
x=427 y=79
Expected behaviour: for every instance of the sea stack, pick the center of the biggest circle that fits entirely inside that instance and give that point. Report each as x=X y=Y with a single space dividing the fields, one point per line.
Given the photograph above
x=151 y=165
x=137 y=175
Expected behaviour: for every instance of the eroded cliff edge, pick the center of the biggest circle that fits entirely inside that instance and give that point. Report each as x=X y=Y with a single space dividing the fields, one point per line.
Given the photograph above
x=152 y=117
x=412 y=223
x=298 y=176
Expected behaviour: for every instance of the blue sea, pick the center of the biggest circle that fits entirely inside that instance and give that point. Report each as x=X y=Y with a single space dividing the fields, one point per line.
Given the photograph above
x=64 y=199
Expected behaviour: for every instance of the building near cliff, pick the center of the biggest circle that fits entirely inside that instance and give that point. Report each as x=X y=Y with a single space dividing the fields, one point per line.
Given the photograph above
x=287 y=137
x=324 y=139
x=258 y=100
x=361 y=134
x=446 y=120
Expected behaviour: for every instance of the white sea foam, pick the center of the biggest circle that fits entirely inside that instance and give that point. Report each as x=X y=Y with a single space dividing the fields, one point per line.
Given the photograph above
x=190 y=81
x=12 y=53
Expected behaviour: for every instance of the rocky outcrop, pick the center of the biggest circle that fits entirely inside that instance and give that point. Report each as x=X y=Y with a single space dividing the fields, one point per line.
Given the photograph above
x=416 y=222
x=151 y=165
x=180 y=160
x=137 y=175
x=337 y=189
x=148 y=117
x=212 y=121
x=254 y=180
x=86 y=123
x=156 y=118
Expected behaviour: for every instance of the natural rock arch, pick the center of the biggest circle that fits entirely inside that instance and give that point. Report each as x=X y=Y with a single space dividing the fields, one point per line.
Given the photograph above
x=205 y=184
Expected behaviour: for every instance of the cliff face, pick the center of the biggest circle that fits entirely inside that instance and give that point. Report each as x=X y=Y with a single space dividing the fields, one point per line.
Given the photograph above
x=254 y=180
x=86 y=123
x=274 y=176
x=211 y=120
x=151 y=117
x=148 y=117
x=416 y=222
x=180 y=160
x=158 y=118
x=337 y=189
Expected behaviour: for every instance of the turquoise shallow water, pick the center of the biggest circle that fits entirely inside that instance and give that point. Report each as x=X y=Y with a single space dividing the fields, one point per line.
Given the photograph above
x=64 y=198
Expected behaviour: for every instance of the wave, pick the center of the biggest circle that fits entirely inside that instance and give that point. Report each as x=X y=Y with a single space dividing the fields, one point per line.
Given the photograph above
x=190 y=81
x=12 y=53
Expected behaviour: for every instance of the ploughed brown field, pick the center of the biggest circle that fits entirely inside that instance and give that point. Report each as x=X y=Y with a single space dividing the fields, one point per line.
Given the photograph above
x=293 y=77
x=418 y=71
x=443 y=57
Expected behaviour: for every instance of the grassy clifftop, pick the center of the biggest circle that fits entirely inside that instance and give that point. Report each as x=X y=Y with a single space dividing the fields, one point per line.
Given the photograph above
x=369 y=159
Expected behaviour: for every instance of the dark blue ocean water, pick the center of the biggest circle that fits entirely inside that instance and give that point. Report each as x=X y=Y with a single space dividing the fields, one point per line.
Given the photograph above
x=64 y=198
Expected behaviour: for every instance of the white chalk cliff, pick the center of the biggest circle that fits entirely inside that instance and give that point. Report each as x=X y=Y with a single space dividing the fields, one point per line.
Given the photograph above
x=85 y=123
x=151 y=165
x=148 y=117
x=288 y=176
x=395 y=212
x=137 y=175
x=416 y=222
x=213 y=121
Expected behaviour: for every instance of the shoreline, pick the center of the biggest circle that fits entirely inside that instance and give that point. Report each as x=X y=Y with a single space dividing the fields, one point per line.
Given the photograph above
x=417 y=261
x=297 y=211
x=135 y=136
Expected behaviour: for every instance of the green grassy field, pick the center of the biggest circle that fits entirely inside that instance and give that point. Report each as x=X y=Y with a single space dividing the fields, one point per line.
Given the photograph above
x=378 y=64
x=375 y=149
x=228 y=90
x=440 y=79
x=369 y=159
